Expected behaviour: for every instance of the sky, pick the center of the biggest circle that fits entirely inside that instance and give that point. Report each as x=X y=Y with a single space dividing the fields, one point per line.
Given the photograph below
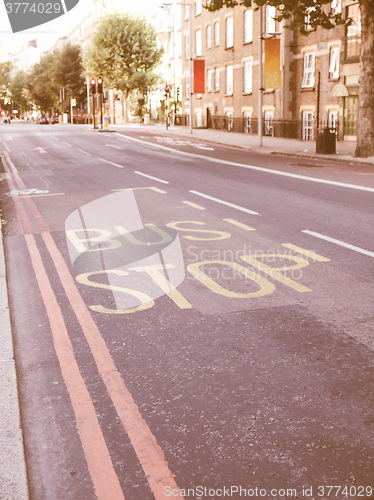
x=49 y=32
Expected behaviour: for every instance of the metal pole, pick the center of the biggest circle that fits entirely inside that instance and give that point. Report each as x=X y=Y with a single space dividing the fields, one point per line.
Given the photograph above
x=93 y=110
x=260 y=52
x=101 y=110
x=88 y=95
x=190 y=68
x=318 y=98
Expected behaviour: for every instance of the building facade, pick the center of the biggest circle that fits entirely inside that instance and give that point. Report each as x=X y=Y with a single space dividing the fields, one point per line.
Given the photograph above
x=304 y=80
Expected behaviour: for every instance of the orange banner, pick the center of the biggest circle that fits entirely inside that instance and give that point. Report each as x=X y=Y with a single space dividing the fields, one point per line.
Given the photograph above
x=272 y=72
x=199 y=76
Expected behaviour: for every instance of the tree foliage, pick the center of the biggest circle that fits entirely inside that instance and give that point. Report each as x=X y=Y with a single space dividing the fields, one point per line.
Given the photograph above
x=43 y=89
x=5 y=69
x=19 y=93
x=55 y=70
x=124 y=52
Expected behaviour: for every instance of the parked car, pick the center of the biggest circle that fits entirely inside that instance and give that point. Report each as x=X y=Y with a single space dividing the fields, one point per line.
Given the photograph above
x=55 y=119
x=43 y=121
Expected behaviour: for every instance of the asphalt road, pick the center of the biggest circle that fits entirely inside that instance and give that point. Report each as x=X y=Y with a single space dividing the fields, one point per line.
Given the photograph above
x=188 y=316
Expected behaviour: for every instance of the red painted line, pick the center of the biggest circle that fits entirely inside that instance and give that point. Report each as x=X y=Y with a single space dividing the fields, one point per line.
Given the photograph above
x=105 y=480
x=149 y=453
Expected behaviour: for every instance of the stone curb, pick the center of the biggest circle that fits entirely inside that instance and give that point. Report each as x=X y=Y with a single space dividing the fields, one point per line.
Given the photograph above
x=13 y=476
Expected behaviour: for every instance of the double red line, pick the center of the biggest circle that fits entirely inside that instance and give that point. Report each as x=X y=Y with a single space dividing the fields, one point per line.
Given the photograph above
x=149 y=453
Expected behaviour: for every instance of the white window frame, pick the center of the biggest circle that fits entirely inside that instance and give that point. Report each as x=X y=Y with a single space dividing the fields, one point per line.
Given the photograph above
x=248 y=26
x=247 y=77
x=197 y=7
x=247 y=116
x=336 y=6
x=216 y=33
x=334 y=56
x=308 y=70
x=307 y=125
x=209 y=80
x=229 y=24
x=333 y=118
x=229 y=88
x=198 y=43
x=217 y=79
x=209 y=37
x=269 y=19
x=269 y=122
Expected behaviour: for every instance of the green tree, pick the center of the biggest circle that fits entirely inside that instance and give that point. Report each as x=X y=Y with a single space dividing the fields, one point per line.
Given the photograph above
x=296 y=11
x=5 y=69
x=19 y=94
x=44 y=92
x=124 y=52
x=69 y=72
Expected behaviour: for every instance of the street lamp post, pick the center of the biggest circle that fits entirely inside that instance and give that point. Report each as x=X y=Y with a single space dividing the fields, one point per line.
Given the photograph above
x=260 y=78
x=187 y=4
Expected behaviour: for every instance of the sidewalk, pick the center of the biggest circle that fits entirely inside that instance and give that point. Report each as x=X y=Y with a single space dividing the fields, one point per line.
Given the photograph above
x=13 y=479
x=271 y=145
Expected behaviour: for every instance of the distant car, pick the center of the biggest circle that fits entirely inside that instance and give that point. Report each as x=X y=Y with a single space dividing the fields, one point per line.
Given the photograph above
x=55 y=119
x=43 y=121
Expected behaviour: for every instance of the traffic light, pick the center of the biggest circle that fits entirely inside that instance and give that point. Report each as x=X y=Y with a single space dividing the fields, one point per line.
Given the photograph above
x=93 y=86
x=100 y=85
x=178 y=94
x=145 y=90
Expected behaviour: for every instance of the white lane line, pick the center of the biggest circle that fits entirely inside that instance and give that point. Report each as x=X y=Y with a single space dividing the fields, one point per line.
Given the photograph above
x=150 y=177
x=110 y=162
x=339 y=242
x=54 y=137
x=253 y=167
x=85 y=152
x=237 y=207
x=9 y=161
x=67 y=144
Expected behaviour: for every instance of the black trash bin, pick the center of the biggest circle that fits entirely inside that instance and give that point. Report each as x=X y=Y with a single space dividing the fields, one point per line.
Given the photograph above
x=326 y=141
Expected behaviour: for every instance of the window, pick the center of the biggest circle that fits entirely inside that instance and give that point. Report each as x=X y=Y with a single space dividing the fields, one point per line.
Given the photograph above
x=208 y=37
x=269 y=19
x=229 y=80
x=247 y=67
x=336 y=6
x=333 y=119
x=198 y=44
x=334 y=63
x=209 y=80
x=307 y=19
x=199 y=119
x=308 y=72
x=229 y=32
x=229 y=119
x=353 y=34
x=248 y=26
x=187 y=45
x=216 y=33
x=216 y=79
x=307 y=126
x=197 y=7
x=268 y=123
x=247 y=115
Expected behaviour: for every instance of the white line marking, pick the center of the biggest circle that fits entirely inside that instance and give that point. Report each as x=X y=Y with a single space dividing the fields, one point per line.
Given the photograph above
x=237 y=207
x=54 y=137
x=85 y=152
x=150 y=177
x=9 y=161
x=113 y=146
x=252 y=167
x=339 y=242
x=67 y=144
x=110 y=162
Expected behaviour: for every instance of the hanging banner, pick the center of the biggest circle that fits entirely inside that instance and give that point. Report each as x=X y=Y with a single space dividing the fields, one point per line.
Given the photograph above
x=199 y=76
x=272 y=72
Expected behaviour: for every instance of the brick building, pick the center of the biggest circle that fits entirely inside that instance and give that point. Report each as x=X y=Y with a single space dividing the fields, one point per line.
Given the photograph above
x=304 y=78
